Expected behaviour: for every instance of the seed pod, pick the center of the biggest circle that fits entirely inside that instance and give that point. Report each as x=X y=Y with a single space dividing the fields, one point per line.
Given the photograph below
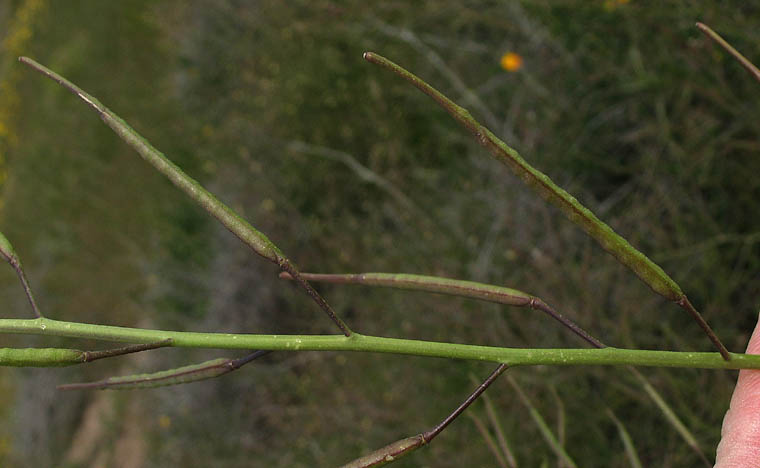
x=40 y=357
x=648 y=271
x=389 y=453
x=454 y=287
x=180 y=375
x=250 y=236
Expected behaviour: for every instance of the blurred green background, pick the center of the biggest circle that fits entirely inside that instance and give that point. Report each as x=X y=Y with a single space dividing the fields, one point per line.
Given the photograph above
x=349 y=169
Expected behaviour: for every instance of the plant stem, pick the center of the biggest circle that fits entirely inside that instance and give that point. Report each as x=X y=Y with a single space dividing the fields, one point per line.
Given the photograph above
x=287 y=267
x=687 y=306
x=250 y=236
x=90 y=356
x=364 y=343
x=400 y=448
x=431 y=434
x=9 y=254
x=749 y=66
x=489 y=293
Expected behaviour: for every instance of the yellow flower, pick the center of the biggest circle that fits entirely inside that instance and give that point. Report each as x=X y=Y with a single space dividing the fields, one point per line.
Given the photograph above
x=164 y=421
x=611 y=5
x=511 y=62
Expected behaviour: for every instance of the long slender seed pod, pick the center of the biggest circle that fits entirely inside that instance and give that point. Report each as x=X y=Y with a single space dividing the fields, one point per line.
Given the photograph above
x=180 y=375
x=454 y=287
x=435 y=284
x=9 y=254
x=256 y=240
x=177 y=376
x=649 y=272
x=40 y=357
x=389 y=453
x=400 y=448
x=58 y=357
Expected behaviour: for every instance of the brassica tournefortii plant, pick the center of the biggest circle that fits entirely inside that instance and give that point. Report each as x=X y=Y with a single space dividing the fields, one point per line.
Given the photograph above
x=347 y=339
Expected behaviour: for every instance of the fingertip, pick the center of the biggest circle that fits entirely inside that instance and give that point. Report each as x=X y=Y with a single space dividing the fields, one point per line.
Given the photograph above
x=740 y=435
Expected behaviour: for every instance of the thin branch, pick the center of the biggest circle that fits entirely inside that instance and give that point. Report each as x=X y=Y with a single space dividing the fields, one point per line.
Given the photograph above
x=9 y=254
x=501 y=295
x=686 y=305
x=471 y=289
x=400 y=448
x=433 y=433
x=256 y=240
x=749 y=66
x=287 y=267
x=90 y=356
x=493 y=294
x=649 y=272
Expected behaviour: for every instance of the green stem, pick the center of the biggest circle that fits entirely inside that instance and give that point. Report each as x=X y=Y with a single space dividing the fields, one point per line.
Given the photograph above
x=364 y=343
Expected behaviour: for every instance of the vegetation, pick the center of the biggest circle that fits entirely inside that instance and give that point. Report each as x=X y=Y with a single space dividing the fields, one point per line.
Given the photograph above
x=352 y=171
